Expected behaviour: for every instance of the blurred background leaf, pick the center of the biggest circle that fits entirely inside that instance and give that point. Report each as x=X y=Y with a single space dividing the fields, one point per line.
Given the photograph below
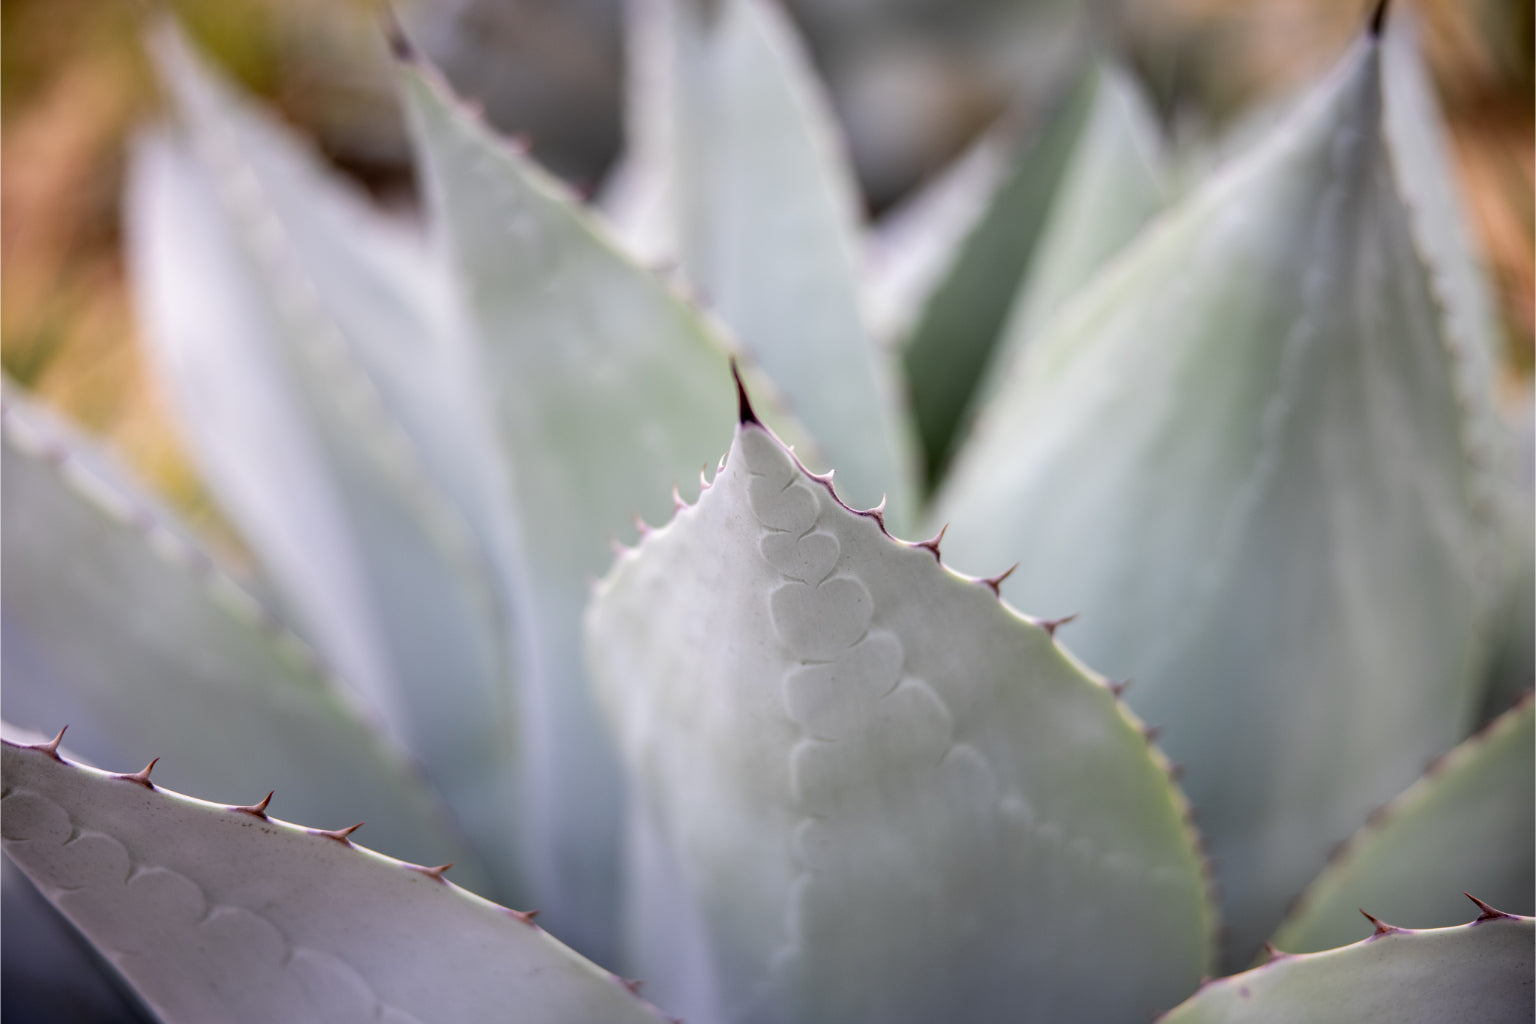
x=913 y=80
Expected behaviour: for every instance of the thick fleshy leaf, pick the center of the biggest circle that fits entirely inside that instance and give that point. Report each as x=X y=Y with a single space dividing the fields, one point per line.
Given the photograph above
x=120 y=627
x=1111 y=186
x=220 y=913
x=607 y=389
x=1243 y=456
x=866 y=790
x=763 y=209
x=910 y=250
x=1468 y=826
x=957 y=331
x=1479 y=972
x=286 y=320
x=1079 y=193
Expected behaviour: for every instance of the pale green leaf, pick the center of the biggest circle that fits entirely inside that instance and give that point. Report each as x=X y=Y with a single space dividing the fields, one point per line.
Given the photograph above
x=1468 y=826
x=866 y=790
x=957 y=332
x=1242 y=455
x=1111 y=186
x=1479 y=973
x=745 y=163
x=121 y=628
x=286 y=321
x=911 y=249
x=218 y=914
x=607 y=390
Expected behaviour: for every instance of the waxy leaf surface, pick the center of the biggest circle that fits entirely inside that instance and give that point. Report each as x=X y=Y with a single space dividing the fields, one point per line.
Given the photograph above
x=1468 y=826
x=217 y=914
x=275 y=305
x=1480 y=972
x=737 y=149
x=865 y=789
x=606 y=389
x=118 y=626
x=1243 y=455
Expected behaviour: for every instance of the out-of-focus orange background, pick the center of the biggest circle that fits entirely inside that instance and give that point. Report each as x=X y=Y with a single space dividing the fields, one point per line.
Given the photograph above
x=913 y=79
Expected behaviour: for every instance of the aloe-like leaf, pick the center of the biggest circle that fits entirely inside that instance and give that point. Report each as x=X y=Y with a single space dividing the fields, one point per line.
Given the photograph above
x=1477 y=972
x=911 y=249
x=764 y=217
x=607 y=389
x=956 y=333
x=1079 y=192
x=866 y=789
x=259 y=281
x=1467 y=826
x=219 y=913
x=118 y=625
x=1113 y=184
x=1243 y=456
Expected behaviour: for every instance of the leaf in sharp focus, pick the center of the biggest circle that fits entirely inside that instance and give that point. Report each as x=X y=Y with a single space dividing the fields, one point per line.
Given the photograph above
x=214 y=913
x=1467 y=826
x=120 y=627
x=957 y=331
x=259 y=328
x=765 y=217
x=1243 y=457
x=607 y=389
x=1479 y=972
x=870 y=790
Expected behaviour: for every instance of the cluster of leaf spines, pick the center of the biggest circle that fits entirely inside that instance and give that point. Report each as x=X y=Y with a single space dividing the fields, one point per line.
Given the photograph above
x=343 y=836
x=436 y=873
x=1380 y=929
x=1383 y=814
x=748 y=419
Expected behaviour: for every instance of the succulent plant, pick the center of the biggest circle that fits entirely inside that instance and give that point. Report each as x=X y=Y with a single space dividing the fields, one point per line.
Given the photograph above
x=1236 y=427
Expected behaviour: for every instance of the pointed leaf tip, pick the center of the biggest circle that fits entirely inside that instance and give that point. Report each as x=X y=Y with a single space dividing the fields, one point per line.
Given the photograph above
x=436 y=872
x=1379 y=18
x=744 y=404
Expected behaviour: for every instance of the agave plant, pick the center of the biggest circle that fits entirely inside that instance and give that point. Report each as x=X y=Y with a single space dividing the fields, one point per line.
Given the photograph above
x=1235 y=426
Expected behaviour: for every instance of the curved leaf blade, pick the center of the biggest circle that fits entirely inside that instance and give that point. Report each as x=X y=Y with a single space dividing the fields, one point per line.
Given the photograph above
x=956 y=334
x=1244 y=457
x=763 y=211
x=118 y=625
x=606 y=389
x=1480 y=972
x=215 y=913
x=276 y=304
x=867 y=790
x=1468 y=826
